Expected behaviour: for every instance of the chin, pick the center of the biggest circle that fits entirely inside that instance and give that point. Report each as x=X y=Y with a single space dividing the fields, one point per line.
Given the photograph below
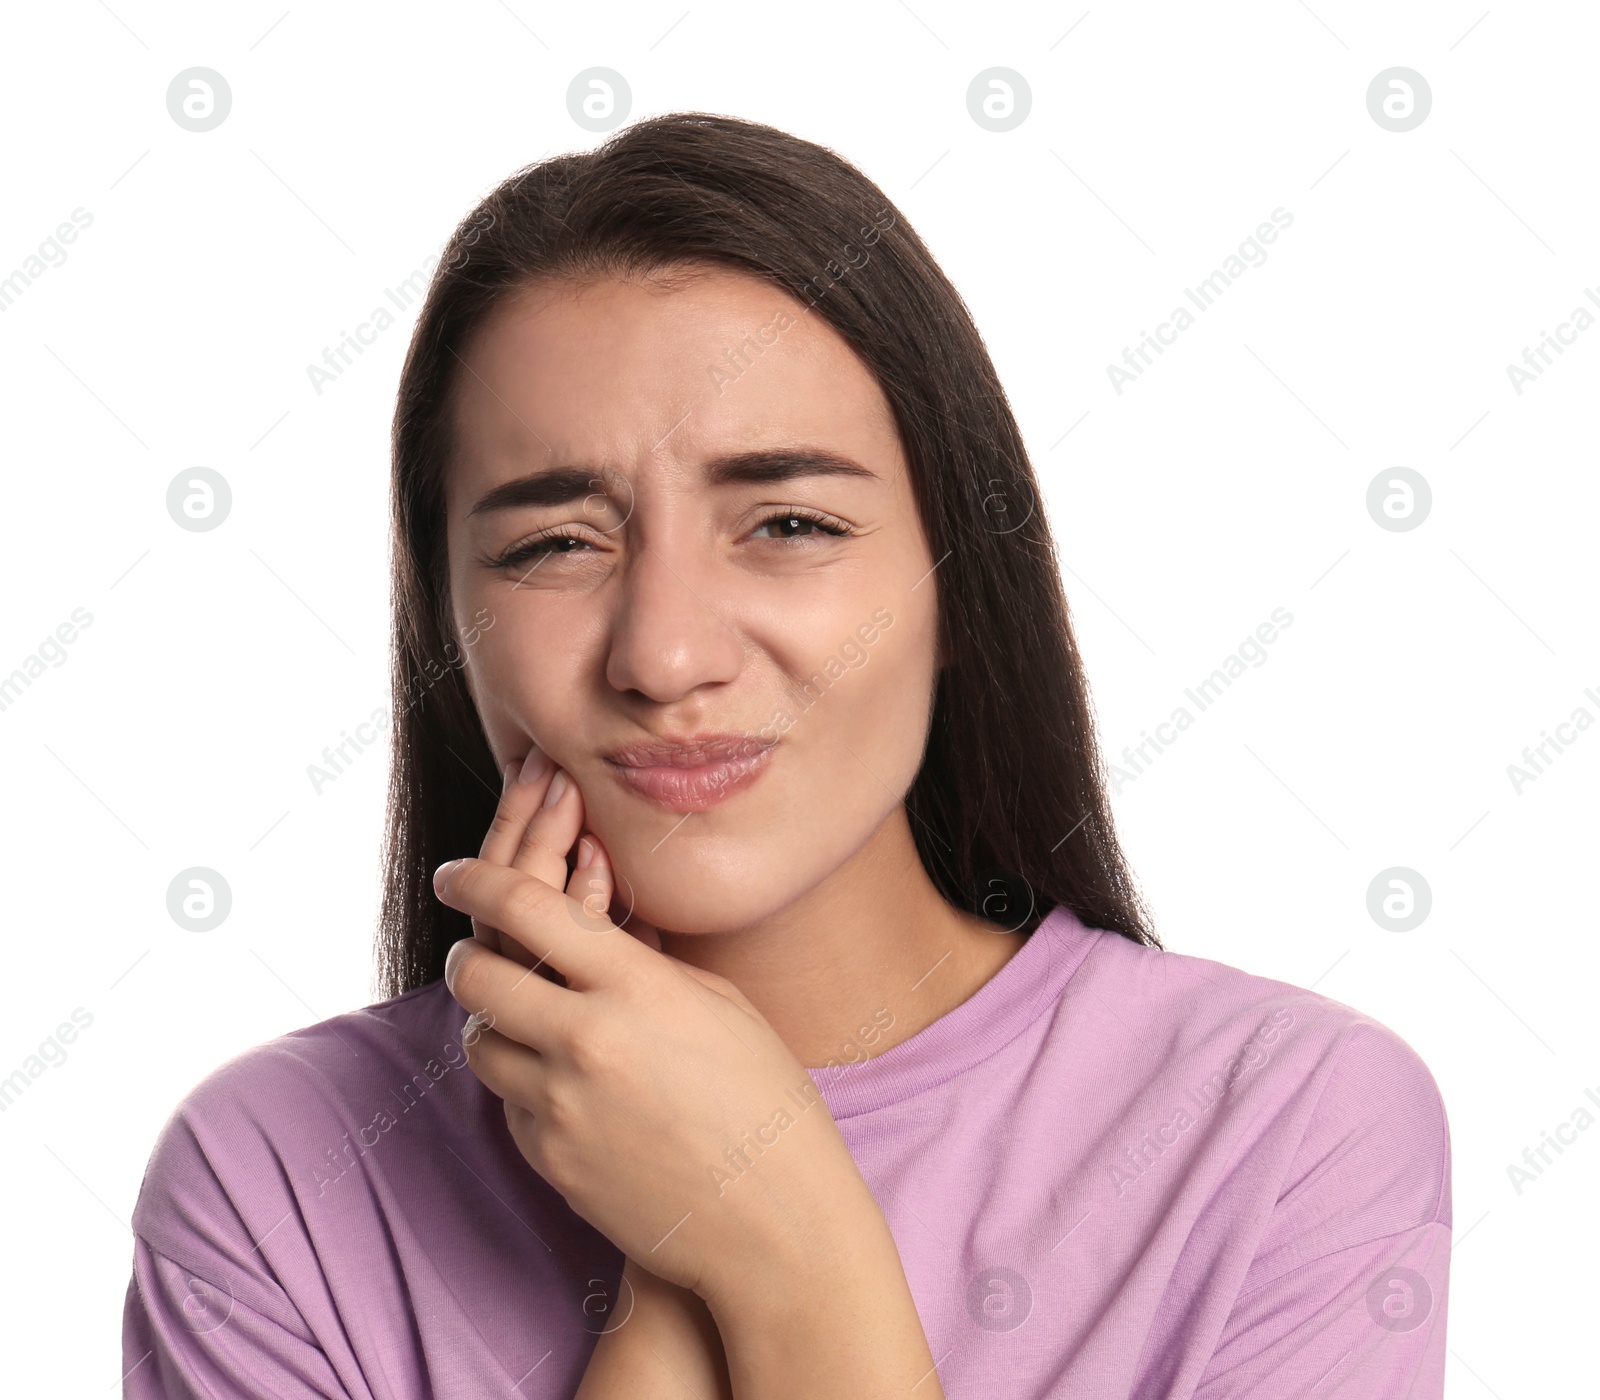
x=708 y=905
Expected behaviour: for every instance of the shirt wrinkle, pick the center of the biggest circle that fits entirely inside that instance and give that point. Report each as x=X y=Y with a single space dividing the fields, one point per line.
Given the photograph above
x=1081 y=1166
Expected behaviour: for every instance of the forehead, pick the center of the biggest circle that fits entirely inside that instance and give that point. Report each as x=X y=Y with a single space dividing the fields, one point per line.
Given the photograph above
x=661 y=370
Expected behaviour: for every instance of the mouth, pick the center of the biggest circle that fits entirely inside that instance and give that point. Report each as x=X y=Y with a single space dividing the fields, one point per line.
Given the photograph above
x=692 y=775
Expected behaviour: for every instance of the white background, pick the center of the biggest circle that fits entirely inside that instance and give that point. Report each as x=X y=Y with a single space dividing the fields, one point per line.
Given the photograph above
x=1229 y=480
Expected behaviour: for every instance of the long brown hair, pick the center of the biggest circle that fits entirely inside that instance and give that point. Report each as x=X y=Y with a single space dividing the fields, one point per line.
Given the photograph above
x=1009 y=808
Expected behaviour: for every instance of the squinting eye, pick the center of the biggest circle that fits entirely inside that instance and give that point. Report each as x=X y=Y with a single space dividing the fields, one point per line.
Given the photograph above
x=538 y=549
x=825 y=524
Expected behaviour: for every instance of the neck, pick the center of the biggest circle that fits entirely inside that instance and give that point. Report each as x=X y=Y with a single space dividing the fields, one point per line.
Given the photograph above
x=861 y=962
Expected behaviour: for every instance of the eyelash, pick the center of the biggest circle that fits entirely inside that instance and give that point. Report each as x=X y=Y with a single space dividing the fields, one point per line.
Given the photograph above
x=530 y=548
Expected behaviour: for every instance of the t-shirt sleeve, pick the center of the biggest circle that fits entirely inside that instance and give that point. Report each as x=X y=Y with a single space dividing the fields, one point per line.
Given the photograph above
x=1346 y=1296
x=185 y=1337
x=223 y=1268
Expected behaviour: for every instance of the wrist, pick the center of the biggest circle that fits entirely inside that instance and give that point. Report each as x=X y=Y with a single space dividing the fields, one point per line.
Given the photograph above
x=835 y=1318
x=662 y=1342
x=838 y=1249
x=785 y=1222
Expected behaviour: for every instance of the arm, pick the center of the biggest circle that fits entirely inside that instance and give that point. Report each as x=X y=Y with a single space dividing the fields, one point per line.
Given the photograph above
x=667 y=1348
x=1367 y=1321
x=834 y=1316
x=186 y=1337
x=605 y=1081
x=1348 y=1292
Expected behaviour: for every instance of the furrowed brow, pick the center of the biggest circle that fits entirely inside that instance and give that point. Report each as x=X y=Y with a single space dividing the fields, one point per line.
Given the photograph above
x=558 y=486
x=765 y=468
x=555 y=486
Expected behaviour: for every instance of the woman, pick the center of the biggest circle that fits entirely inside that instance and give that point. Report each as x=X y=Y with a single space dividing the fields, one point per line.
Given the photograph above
x=819 y=1042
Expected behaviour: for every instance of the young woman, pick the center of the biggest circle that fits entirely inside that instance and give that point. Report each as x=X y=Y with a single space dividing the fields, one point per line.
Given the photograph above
x=819 y=1043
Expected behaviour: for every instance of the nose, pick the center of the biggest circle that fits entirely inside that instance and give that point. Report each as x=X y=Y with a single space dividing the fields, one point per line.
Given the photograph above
x=671 y=632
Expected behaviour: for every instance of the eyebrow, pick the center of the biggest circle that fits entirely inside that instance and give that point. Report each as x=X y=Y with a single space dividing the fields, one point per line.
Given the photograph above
x=557 y=486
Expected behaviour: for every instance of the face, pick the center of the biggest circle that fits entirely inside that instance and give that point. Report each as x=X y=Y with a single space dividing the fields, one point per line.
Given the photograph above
x=680 y=512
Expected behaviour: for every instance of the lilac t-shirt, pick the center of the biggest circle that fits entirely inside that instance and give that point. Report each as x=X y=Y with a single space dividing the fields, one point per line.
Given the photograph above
x=1112 y=1171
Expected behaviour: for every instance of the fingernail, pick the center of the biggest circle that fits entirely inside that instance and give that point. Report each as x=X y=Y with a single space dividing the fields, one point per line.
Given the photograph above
x=442 y=874
x=535 y=766
x=585 y=852
x=509 y=776
x=452 y=960
x=558 y=785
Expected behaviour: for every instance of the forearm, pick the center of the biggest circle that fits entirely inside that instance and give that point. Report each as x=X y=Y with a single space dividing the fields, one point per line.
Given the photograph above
x=839 y=1321
x=667 y=1348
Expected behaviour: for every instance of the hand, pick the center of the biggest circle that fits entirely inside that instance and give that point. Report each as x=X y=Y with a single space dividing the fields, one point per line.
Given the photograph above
x=667 y=1346
x=512 y=841
x=668 y=1341
x=654 y=1096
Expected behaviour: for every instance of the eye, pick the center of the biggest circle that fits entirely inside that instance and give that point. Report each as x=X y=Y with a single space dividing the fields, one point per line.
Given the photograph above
x=791 y=517
x=536 y=548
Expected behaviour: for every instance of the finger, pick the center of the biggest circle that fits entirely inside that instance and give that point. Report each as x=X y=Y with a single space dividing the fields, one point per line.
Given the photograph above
x=493 y=844
x=506 y=996
x=598 y=860
x=544 y=920
x=523 y=786
x=508 y=1068
x=591 y=882
x=520 y=796
x=550 y=830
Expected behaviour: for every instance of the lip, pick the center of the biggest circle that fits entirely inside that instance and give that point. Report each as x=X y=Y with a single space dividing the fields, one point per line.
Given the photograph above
x=692 y=774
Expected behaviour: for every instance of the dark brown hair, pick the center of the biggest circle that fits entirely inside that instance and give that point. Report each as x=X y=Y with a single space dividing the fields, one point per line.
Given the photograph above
x=1009 y=808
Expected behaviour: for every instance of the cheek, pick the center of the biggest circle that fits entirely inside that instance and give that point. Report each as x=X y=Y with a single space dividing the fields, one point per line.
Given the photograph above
x=523 y=687
x=898 y=687
x=868 y=730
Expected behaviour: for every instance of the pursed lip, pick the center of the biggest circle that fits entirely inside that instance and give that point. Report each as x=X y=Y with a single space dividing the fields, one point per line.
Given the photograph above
x=691 y=774
x=691 y=752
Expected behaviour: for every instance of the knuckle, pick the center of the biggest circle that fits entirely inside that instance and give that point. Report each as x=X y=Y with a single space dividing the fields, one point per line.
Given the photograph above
x=504 y=822
x=532 y=842
x=555 y=1165
x=466 y=980
x=562 y=1104
x=465 y=882
x=529 y=900
x=595 y=1050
